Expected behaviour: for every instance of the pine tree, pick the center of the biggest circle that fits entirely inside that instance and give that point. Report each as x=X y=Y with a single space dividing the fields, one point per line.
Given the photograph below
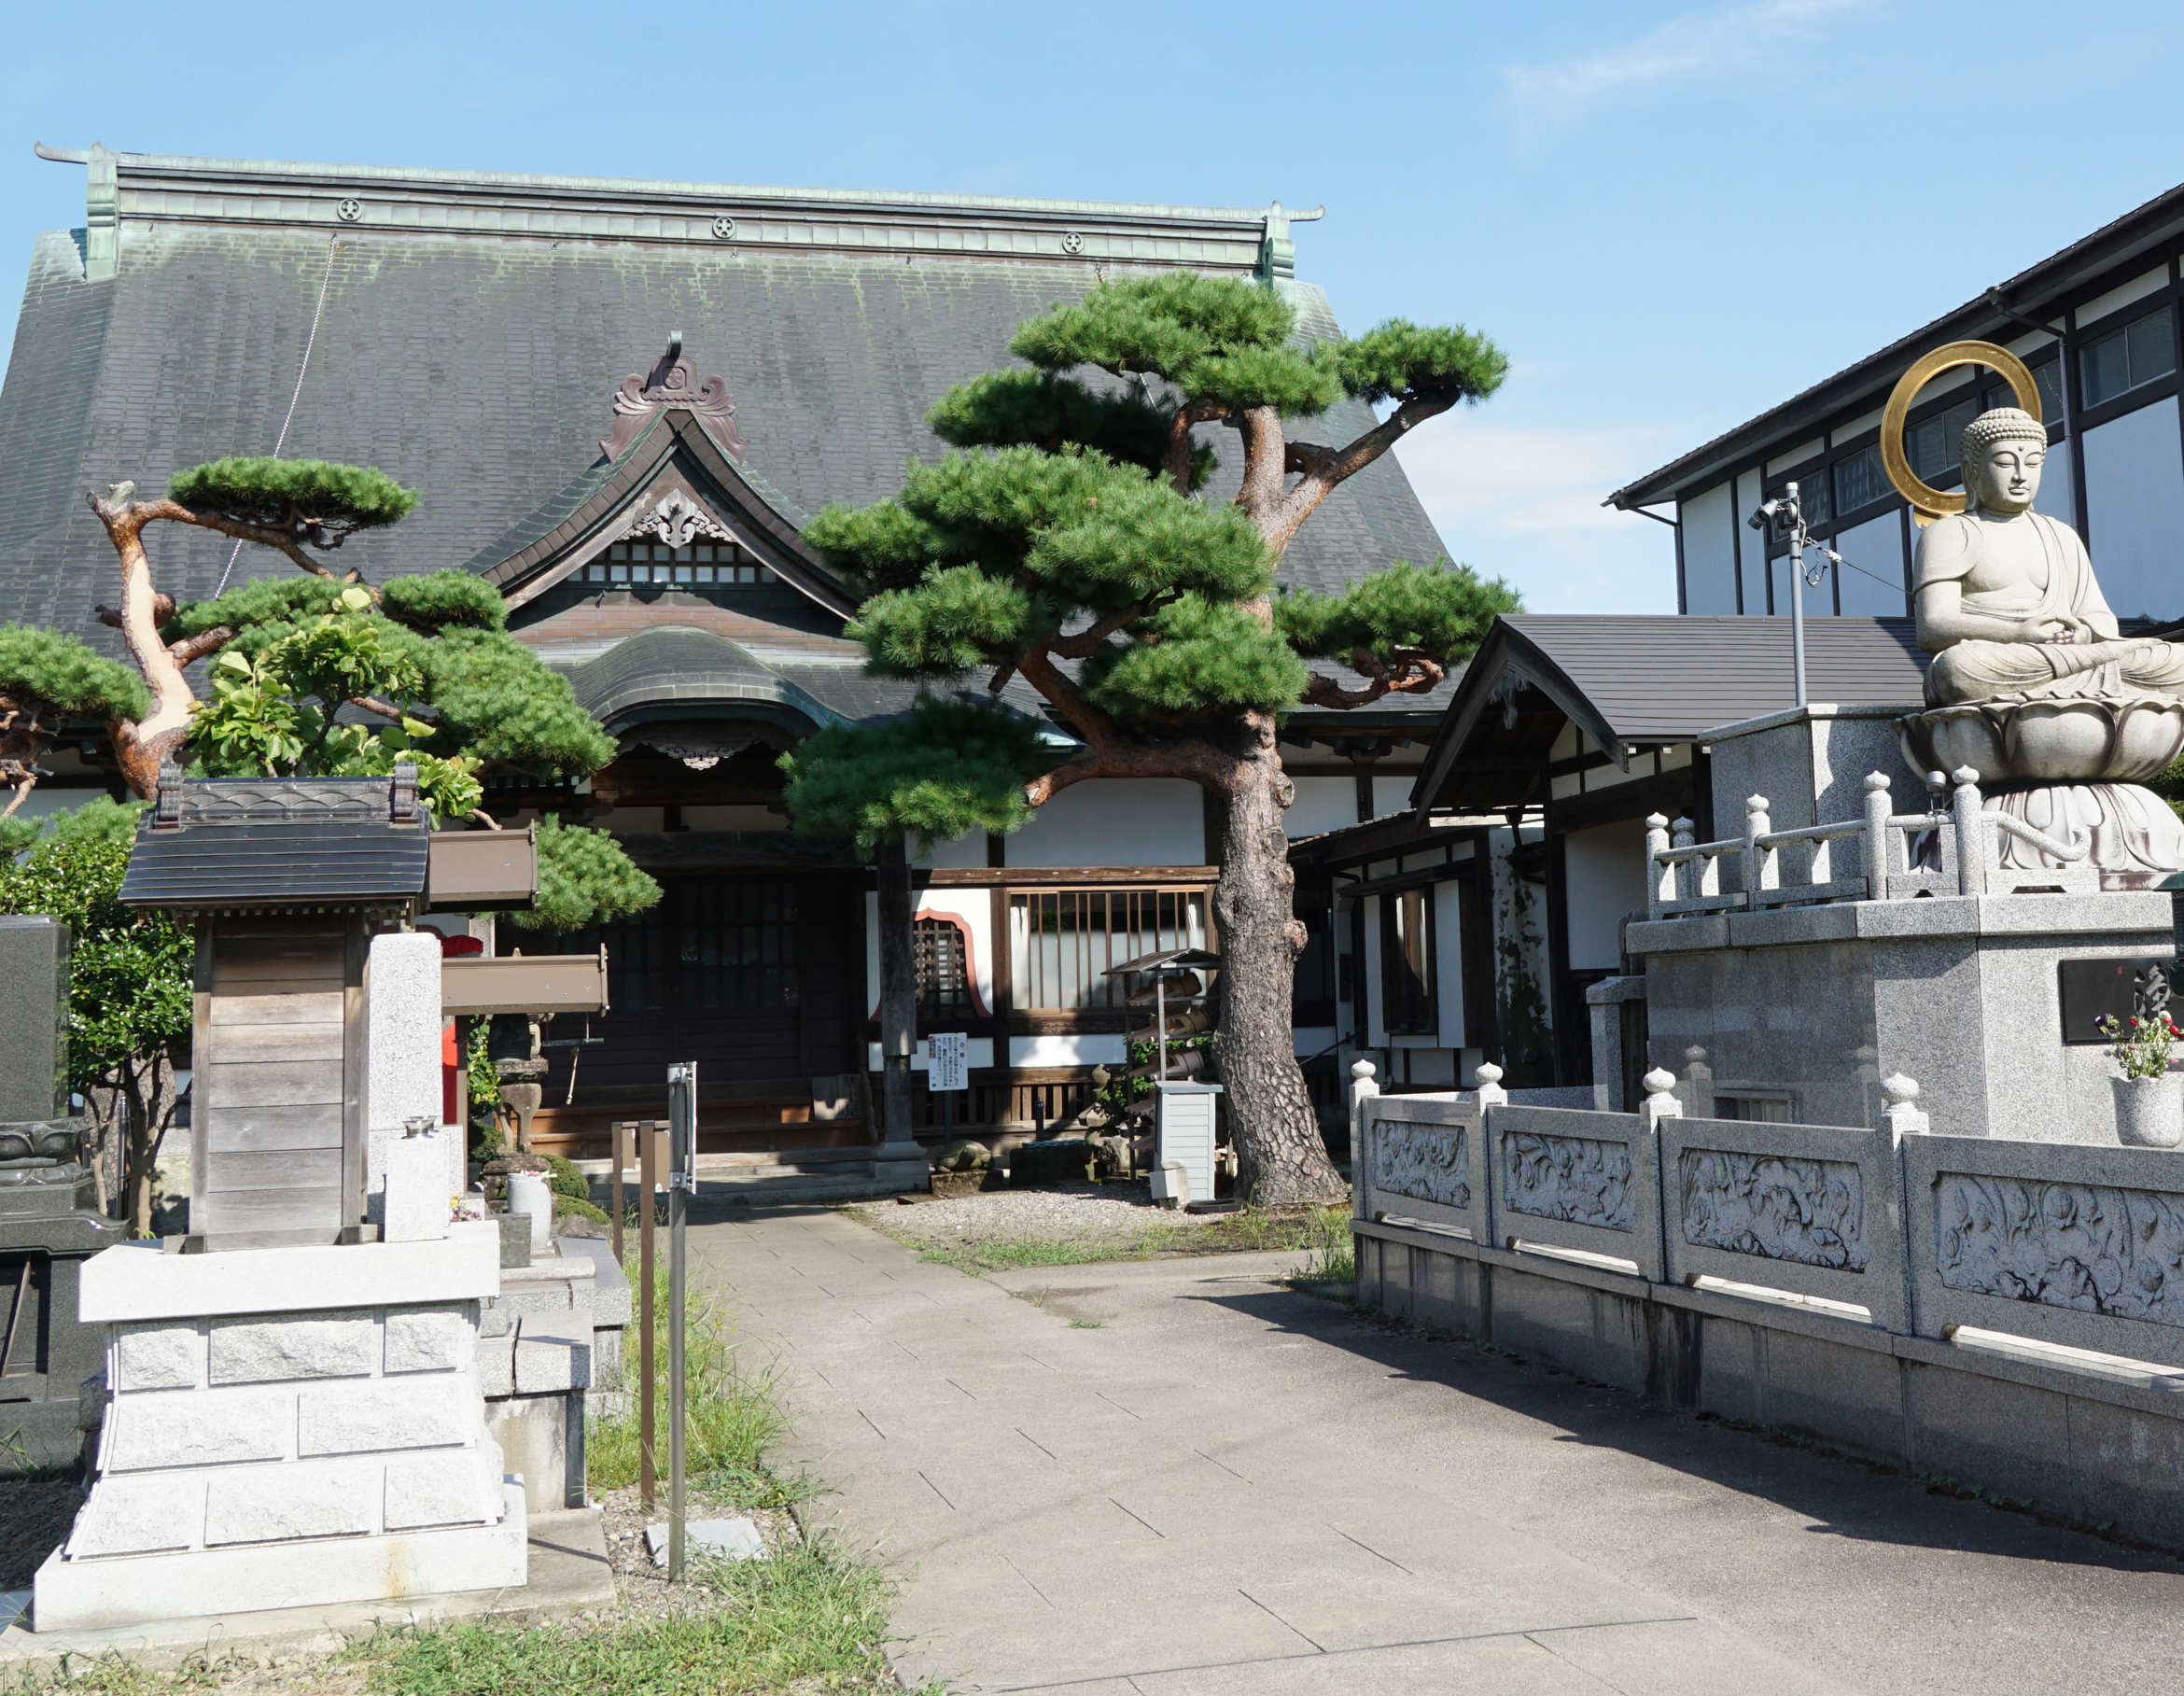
x=1065 y=545
x=321 y=675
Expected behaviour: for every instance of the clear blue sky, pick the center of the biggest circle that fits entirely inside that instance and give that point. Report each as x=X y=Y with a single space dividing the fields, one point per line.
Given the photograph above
x=1670 y=217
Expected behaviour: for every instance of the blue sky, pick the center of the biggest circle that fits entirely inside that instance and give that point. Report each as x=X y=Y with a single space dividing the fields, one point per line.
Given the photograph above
x=1671 y=218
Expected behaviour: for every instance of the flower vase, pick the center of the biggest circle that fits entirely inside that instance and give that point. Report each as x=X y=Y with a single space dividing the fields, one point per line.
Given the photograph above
x=2149 y=1112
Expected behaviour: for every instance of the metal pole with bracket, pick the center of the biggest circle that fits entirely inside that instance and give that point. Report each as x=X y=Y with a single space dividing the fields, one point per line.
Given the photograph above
x=682 y=1181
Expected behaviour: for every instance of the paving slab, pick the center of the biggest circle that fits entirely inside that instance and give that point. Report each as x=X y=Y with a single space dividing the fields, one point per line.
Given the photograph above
x=1179 y=1477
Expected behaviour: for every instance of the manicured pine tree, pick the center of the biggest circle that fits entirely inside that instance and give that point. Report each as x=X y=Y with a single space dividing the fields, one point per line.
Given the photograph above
x=320 y=675
x=1068 y=546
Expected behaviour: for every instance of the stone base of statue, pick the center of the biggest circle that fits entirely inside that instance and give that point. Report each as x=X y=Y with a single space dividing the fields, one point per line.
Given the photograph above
x=2072 y=767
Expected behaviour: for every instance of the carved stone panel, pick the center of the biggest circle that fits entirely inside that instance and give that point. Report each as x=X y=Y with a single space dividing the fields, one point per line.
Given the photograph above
x=1578 y=1180
x=1812 y=1211
x=1427 y=1162
x=2084 y=1246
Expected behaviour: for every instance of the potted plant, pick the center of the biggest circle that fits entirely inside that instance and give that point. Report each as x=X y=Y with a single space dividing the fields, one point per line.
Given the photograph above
x=2150 y=1098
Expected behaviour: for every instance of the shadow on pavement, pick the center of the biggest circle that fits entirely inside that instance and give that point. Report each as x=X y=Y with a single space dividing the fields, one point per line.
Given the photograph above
x=1845 y=1494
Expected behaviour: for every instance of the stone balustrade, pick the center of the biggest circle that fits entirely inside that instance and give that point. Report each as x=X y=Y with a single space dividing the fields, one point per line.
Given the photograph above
x=2007 y=1311
x=1957 y=854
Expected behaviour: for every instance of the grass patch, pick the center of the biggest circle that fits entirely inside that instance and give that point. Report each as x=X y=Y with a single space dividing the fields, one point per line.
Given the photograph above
x=808 y=1618
x=1322 y=1232
x=731 y=1414
x=110 y=1675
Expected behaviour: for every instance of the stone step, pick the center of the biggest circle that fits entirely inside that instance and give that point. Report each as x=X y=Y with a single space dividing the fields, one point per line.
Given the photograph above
x=768 y=1186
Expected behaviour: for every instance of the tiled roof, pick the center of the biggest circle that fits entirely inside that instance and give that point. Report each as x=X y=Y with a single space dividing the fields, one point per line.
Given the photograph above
x=479 y=366
x=1644 y=680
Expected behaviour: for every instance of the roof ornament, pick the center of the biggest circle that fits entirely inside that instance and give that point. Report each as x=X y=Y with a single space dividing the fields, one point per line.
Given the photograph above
x=676 y=520
x=672 y=382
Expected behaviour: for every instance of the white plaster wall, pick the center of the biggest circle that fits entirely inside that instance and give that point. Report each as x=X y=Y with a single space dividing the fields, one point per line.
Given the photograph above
x=1308 y=1040
x=979 y=1050
x=1448 y=961
x=1066 y=1051
x=1392 y=796
x=1430 y=1065
x=630 y=821
x=1874 y=547
x=1710 y=561
x=1321 y=804
x=1752 y=544
x=2058 y=498
x=1116 y=822
x=1604 y=878
x=1377 y=1014
x=2134 y=497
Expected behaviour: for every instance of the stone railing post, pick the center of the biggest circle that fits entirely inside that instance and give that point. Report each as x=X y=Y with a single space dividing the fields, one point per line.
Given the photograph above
x=1362 y=1090
x=1660 y=880
x=1760 y=870
x=1971 y=832
x=1490 y=1085
x=1693 y=877
x=1901 y=1115
x=1879 y=861
x=1660 y=1099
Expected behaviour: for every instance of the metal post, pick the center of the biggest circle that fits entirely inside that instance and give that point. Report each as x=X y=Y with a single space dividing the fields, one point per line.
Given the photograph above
x=618 y=1141
x=1797 y=585
x=648 y=1175
x=1160 y=1023
x=681 y=1180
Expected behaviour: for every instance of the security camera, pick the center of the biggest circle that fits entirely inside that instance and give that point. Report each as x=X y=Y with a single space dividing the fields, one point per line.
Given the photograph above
x=1768 y=512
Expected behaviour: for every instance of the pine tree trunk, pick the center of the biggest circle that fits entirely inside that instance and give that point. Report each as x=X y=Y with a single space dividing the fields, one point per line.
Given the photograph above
x=898 y=995
x=1280 y=1152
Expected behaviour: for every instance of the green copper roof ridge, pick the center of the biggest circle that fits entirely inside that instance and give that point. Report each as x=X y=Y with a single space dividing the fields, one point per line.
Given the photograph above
x=437 y=177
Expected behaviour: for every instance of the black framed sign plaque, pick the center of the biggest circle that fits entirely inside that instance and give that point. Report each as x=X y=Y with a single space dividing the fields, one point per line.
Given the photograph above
x=2121 y=989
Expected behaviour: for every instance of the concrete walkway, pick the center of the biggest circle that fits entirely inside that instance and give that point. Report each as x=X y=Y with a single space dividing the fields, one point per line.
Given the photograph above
x=1175 y=1477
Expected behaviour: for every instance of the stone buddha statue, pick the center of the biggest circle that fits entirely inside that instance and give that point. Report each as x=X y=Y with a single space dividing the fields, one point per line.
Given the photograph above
x=2007 y=601
x=2032 y=683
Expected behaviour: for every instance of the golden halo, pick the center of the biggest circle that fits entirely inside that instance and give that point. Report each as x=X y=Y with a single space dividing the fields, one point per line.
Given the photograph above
x=1928 y=503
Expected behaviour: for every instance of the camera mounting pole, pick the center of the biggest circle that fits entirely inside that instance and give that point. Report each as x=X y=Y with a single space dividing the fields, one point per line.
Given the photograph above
x=1786 y=512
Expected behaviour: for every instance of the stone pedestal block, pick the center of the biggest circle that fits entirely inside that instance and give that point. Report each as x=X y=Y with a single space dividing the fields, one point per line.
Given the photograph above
x=289 y=1427
x=1800 y=1014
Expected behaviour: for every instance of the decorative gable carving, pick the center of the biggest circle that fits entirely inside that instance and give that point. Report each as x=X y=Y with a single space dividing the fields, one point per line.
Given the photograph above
x=676 y=520
x=672 y=382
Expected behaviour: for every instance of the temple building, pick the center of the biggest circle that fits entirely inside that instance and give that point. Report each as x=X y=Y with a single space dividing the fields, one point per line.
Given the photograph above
x=620 y=403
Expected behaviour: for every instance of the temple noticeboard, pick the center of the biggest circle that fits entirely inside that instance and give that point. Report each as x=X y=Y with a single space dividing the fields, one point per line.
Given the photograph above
x=286 y=880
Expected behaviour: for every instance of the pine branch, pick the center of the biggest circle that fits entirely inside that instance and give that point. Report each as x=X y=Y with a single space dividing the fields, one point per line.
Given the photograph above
x=1086 y=642
x=1413 y=673
x=193 y=648
x=1324 y=469
x=1090 y=721
x=1193 y=759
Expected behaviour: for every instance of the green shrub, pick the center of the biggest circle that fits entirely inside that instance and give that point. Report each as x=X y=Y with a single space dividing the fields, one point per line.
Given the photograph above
x=564 y=1179
x=568 y=1207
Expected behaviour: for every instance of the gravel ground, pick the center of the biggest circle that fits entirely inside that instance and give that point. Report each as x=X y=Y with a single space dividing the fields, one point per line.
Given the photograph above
x=1077 y=1213
x=645 y=1592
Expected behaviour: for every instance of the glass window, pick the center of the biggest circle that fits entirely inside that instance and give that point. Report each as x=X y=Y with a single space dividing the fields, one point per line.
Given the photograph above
x=618 y=551
x=620 y=573
x=683 y=574
x=1062 y=942
x=1859 y=480
x=765 y=576
x=2124 y=358
x=944 y=975
x=704 y=574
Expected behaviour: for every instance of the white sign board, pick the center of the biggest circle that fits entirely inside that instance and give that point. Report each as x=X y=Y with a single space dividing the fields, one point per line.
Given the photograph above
x=948 y=1060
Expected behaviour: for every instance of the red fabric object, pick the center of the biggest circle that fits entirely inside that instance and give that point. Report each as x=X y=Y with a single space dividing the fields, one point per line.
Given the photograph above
x=451 y=1076
x=453 y=945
